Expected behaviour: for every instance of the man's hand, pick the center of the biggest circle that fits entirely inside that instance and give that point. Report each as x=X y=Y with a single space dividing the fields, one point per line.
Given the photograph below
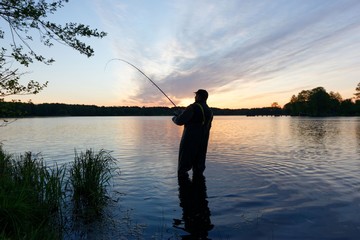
x=178 y=112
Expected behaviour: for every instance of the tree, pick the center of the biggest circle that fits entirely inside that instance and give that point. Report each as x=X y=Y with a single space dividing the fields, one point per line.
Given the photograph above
x=357 y=94
x=293 y=99
x=23 y=18
x=314 y=102
x=335 y=102
x=319 y=102
x=304 y=95
x=9 y=82
x=275 y=105
x=348 y=108
x=336 y=96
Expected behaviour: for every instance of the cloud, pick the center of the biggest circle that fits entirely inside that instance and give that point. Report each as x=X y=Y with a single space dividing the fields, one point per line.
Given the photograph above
x=214 y=44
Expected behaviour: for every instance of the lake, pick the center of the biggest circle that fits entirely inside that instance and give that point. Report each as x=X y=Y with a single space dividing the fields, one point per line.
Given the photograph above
x=266 y=177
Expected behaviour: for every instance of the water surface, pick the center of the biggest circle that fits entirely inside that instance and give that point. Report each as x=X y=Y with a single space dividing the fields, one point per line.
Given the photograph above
x=266 y=177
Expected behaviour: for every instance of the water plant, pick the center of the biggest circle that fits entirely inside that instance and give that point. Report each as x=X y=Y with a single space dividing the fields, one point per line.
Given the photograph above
x=90 y=174
x=35 y=198
x=30 y=197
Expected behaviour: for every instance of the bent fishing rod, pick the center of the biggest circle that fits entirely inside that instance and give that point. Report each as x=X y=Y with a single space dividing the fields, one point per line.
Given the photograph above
x=119 y=59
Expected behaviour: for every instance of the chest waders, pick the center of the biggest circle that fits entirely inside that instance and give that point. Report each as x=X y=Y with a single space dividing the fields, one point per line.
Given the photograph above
x=193 y=145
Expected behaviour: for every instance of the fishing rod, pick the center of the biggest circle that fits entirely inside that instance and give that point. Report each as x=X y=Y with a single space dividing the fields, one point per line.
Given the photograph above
x=119 y=59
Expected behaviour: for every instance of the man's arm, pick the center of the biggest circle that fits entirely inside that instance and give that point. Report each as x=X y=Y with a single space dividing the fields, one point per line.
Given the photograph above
x=184 y=117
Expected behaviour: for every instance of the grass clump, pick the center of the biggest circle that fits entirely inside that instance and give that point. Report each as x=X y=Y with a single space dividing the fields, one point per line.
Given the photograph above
x=30 y=197
x=34 y=198
x=90 y=174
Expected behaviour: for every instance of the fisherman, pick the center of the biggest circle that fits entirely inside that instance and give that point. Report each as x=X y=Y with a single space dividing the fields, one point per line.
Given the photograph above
x=196 y=119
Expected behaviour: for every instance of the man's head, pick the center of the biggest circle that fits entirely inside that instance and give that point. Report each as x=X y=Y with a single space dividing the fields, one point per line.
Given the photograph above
x=201 y=95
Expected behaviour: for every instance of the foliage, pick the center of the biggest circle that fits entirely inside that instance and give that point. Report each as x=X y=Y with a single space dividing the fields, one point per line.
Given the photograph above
x=275 y=105
x=317 y=102
x=24 y=15
x=25 y=18
x=357 y=94
x=9 y=81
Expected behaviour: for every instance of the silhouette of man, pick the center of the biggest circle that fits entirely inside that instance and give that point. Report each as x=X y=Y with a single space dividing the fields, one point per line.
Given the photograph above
x=196 y=119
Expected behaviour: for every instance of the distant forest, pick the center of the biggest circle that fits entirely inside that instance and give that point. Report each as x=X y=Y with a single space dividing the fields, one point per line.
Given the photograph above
x=316 y=102
x=20 y=109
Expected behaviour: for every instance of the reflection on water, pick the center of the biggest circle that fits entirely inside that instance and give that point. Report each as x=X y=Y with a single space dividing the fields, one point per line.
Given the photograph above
x=316 y=130
x=358 y=132
x=196 y=213
x=266 y=177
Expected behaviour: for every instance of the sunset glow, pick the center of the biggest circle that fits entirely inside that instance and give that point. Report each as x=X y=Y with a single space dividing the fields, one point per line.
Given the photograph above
x=245 y=53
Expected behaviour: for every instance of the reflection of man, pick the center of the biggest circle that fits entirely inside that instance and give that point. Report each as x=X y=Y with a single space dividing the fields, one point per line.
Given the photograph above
x=196 y=213
x=197 y=119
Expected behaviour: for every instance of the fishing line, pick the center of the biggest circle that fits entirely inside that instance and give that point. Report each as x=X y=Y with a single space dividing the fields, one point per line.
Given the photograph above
x=119 y=59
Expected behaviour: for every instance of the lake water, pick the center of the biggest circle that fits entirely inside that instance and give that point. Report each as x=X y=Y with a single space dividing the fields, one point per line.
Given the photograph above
x=266 y=177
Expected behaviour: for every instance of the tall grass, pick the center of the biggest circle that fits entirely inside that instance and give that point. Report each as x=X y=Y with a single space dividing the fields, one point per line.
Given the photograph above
x=32 y=195
x=90 y=175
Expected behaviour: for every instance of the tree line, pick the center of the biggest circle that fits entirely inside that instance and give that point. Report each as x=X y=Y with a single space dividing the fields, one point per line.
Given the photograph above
x=315 y=102
x=20 y=109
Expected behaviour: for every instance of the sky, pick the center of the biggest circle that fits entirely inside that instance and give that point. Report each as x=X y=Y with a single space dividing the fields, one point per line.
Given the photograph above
x=246 y=54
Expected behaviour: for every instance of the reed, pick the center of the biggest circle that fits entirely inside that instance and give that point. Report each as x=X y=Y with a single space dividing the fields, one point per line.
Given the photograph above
x=90 y=174
x=30 y=197
x=34 y=198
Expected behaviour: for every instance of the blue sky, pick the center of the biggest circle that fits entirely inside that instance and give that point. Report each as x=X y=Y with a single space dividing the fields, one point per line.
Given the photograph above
x=245 y=53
